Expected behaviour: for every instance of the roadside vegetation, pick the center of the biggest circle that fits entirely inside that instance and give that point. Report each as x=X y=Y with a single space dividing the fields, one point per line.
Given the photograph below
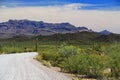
x=100 y=61
x=8 y=47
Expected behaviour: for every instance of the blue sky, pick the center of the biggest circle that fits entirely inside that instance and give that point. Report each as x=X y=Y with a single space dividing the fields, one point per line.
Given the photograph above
x=95 y=4
x=94 y=14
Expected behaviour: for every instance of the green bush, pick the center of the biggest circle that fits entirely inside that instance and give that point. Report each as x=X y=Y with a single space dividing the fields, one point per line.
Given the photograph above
x=114 y=54
x=67 y=51
x=46 y=63
x=39 y=58
x=49 y=53
x=90 y=65
x=115 y=65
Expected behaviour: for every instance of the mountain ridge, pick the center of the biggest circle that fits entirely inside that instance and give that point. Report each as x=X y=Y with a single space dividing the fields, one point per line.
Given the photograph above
x=31 y=28
x=34 y=28
x=106 y=32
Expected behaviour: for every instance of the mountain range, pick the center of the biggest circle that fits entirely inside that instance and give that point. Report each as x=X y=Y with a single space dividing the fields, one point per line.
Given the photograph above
x=34 y=28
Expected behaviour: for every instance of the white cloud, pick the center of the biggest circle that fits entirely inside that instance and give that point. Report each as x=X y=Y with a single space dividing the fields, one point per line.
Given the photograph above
x=96 y=20
x=75 y=6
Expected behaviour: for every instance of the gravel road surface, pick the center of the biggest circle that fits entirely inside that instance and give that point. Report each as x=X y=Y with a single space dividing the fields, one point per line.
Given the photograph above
x=21 y=66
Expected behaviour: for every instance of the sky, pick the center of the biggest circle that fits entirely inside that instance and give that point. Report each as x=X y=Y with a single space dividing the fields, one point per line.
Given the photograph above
x=94 y=14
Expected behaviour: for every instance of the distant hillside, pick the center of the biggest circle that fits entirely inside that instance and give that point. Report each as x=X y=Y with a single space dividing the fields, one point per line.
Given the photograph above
x=81 y=38
x=108 y=38
x=70 y=38
x=106 y=32
x=34 y=28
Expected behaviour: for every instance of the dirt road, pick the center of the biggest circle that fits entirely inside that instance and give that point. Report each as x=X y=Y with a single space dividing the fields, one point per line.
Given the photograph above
x=23 y=67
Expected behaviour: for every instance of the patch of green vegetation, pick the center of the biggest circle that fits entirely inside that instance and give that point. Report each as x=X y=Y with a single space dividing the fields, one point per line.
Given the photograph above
x=95 y=61
x=16 y=46
x=114 y=55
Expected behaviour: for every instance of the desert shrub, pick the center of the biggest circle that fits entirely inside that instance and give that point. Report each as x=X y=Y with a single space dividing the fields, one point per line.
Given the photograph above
x=50 y=54
x=114 y=54
x=95 y=49
x=12 y=50
x=67 y=51
x=39 y=57
x=91 y=65
x=46 y=63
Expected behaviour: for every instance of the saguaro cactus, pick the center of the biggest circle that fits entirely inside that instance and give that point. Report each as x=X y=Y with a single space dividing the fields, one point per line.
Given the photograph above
x=36 y=46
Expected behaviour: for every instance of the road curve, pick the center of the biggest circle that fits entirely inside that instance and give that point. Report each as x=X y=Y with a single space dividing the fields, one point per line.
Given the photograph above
x=22 y=67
